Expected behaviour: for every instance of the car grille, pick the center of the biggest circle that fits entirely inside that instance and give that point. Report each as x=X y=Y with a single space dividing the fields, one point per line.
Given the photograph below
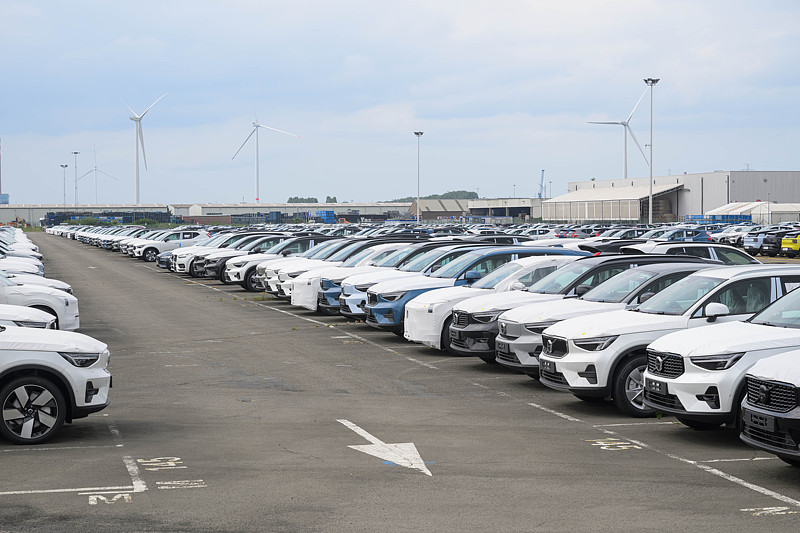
x=460 y=319
x=772 y=396
x=372 y=298
x=459 y=343
x=668 y=365
x=508 y=357
x=553 y=377
x=554 y=347
x=511 y=330
x=778 y=438
x=663 y=400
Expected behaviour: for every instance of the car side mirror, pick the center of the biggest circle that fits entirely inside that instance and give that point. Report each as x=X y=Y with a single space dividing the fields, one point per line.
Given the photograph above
x=580 y=290
x=716 y=309
x=517 y=286
x=646 y=296
x=472 y=276
x=286 y=252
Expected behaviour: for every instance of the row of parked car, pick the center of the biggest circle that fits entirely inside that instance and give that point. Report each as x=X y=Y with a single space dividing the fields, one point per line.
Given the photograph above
x=49 y=374
x=701 y=331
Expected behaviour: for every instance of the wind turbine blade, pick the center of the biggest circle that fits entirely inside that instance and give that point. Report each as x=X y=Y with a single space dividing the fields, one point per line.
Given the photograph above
x=94 y=149
x=245 y=142
x=151 y=105
x=618 y=123
x=255 y=114
x=637 y=144
x=129 y=108
x=107 y=174
x=85 y=174
x=141 y=141
x=279 y=131
x=637 y=105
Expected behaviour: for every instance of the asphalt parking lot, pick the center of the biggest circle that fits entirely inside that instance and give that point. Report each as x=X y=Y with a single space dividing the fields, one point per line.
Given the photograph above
x=233 y=411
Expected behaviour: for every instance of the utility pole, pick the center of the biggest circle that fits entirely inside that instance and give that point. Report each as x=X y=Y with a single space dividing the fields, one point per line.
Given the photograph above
x=75 y=166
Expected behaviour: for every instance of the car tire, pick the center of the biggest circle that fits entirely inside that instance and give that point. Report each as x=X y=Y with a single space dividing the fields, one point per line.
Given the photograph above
x=698 y=424
x=249 y=282
x=628 y=388
x=150 y=255
x=193 y=270
x=444 y=337
x=40 y=405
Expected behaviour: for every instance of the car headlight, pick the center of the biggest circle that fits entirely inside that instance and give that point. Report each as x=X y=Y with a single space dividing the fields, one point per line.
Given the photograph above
x=595 y=344
x=393 y=296
x=81 y=360
x=717 y=362
x=30 y=324
x=364 y=287
x=238 y=264
x=489 y=316
x=539 y=327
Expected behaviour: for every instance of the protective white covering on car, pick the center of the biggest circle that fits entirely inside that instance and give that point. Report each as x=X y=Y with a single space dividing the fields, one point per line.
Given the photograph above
x=730 y=337
x=784 y=367
x=48 y=340
x=10 y=313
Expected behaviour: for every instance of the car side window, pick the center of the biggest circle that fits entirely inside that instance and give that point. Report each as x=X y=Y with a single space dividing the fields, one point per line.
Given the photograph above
x=602 y=274
x=660 y=284
x=172 y=237
x=789 y=283
x=676 y=250
x=485 y=266
x=746 y=296
x=697 y=251
x=732 y=257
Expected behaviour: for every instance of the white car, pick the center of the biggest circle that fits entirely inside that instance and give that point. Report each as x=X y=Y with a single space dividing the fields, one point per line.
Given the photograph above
x=47 y=378
x=428 y=316
x=58 y=303
x=699 y=375
x=519 y=341
x=26 y=317
x=33 y=279
x=149 y=249
x=605 y=356
x=770 y=409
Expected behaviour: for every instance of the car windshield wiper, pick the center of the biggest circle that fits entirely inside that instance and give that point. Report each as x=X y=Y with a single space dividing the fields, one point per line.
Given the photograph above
x=773 y=324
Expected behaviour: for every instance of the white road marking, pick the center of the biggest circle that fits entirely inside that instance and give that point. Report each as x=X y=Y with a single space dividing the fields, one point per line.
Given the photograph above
x=124 y=488
x=738 y=460
x=634 y=424
x=12 y=450
x=402 y=454
x=552 y=412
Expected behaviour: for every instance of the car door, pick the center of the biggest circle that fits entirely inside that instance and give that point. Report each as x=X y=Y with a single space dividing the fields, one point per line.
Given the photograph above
x=743 y=298
x=485 y=265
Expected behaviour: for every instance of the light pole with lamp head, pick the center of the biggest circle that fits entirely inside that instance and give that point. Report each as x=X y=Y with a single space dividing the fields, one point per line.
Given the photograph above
x=64 y=168
x=651 y=83
x=418 y=134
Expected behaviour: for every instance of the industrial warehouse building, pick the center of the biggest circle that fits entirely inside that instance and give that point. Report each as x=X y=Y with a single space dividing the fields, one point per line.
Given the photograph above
x=674 y=197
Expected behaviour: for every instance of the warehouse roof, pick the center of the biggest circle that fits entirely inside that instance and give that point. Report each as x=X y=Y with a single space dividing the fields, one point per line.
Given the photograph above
x=614 y=193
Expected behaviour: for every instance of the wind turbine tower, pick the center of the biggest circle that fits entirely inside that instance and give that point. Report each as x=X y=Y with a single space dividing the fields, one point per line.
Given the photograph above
x=137 y=120
x=626 y=129
x=256 y=126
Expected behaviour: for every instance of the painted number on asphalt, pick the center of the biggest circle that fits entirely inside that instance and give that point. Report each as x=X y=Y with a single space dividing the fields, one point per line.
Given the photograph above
x=161 y=463
x=613 y=444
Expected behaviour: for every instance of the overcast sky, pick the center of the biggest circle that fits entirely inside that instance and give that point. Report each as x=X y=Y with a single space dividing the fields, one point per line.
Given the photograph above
x=502 y=90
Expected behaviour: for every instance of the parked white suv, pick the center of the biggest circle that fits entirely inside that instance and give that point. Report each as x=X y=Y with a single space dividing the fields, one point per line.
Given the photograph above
x=58 y=303
x=605 y=356
x=699 y=375
x=47 y=378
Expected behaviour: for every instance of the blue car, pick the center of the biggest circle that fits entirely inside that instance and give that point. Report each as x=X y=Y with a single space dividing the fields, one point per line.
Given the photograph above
x=685 y=235
x=386 y=301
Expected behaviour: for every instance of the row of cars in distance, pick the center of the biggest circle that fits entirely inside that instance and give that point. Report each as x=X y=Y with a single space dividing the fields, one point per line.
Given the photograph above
x=49 y=374
x=698 y=330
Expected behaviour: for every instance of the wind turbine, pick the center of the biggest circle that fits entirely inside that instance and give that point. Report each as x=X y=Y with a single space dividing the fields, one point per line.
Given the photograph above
x=96 y=170
x=257 y=125
x=626 y=129
x=137 y=119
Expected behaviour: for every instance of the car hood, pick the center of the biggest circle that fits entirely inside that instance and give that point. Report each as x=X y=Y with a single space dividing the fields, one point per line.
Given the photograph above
x=20 y=312
x=31 y=290
x=285 y=262
x=377 y=277
x=33 y=279
x=563 y=309
x=616 y=323
x=338 y=273
x=448 y=295
x=729 y=337
x=260 y=257
x=224 y=253
x=504 y=300
x=48 y=340
x=412 y=284
x=782 y=367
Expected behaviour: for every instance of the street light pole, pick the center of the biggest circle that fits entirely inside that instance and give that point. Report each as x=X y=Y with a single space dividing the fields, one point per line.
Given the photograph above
x=64 y=168
x=651 y=83
x=75 y=166
x=418 y=134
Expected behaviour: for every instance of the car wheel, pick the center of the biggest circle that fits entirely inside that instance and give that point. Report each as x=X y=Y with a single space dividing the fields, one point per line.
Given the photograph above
x=444 y=338
x=629 y=388
x=193 y=270
x=221 y=277
x=48 y=311
x=697 y=424
x=150 y=255
x=33 y=410
x=250 y=280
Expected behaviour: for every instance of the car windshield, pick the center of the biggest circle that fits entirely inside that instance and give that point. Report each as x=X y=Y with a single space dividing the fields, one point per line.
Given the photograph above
x=680 y=296
x=784 y=312
x=213 y=241
x=619 y=287
x=562 y=278
x=394 y=258
x=320 y=250
x=454 y=268
x=653 y=234
x=355 y=259
x=419 y=264
x=493 y=278
x=4 y=281
x=344 y=252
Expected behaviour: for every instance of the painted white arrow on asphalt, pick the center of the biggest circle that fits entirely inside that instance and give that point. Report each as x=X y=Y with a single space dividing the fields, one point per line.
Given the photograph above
x=402 y=454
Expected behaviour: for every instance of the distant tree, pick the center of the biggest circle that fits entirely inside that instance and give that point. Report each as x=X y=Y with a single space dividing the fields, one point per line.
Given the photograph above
x=451 y=195
x=301 y=200
x=330 y=200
